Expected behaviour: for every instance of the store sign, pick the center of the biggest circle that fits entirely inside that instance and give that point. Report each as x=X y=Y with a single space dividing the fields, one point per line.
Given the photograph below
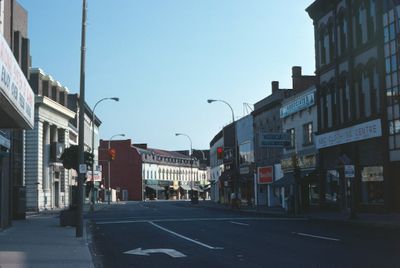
x=278 y=140
x=305 y=162
x=297 y=105
x=97 y=176
x=372 y=173
x=367 y=130
x=265 y=175
x=15 y=88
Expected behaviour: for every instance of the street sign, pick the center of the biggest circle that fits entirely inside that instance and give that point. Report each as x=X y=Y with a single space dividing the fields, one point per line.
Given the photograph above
x=278 y=139
x=146 y=252
x=349 y=171
x=82 y=168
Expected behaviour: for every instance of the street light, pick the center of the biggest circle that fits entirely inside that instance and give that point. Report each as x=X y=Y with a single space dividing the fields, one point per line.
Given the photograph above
x=236 y=162
x=191 y=163
x=109 y=166
x=94 y=108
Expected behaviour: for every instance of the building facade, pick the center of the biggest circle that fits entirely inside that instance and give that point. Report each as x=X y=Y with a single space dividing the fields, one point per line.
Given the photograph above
x=216 y=167
x=267 y=120
x=245 y=140
x=357 y=97
x=16 y=109
x=140 y=173
x=299 y=120
x=48 y=183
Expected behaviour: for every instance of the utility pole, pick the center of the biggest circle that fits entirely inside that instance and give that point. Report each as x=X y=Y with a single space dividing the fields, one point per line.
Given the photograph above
x=81 y=145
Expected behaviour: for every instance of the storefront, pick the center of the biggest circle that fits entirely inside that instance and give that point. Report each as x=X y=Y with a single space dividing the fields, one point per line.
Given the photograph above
x=359 y=147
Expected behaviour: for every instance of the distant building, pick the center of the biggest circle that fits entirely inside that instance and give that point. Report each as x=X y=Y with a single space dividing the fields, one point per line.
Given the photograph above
x=140 y=173
x=216 y=168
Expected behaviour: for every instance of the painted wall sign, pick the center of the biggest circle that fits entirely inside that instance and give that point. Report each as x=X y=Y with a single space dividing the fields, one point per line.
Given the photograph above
x=265 y=175
x=14 y=87
x=298 y=104
x=367 y=130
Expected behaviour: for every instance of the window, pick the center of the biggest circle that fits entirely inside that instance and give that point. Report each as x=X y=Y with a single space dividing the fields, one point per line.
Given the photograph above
x=292 y=135
x=307 y=133
x=322 y=47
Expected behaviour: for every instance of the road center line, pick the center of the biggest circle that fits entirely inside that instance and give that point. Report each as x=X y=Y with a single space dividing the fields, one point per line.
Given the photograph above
x=199 y=219
x=317 y=236
x=239 y=223
x=183 y=237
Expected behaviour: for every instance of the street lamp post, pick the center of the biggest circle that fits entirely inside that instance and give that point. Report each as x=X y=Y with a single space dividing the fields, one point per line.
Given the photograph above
x=109 y=167
x=191 y=164
x=93 y=115
x=236 y=162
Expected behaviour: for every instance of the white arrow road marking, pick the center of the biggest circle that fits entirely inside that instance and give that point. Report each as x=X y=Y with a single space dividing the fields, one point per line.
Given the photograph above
x=317 y=236
x=146 y=252
x=239 y=223
x=184 y=237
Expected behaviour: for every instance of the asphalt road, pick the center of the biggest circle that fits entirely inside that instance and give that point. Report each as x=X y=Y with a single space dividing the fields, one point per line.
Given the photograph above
x=179 y=234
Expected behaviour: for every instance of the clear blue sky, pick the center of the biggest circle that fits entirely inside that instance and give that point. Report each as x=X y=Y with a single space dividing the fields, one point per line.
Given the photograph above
x=165 y=58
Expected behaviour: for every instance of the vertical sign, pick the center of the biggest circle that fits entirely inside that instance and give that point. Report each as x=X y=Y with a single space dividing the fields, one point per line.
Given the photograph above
x=265 y=175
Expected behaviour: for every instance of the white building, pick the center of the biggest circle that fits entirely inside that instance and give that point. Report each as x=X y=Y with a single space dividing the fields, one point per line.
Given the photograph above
x=47 y=182
x=171 y=175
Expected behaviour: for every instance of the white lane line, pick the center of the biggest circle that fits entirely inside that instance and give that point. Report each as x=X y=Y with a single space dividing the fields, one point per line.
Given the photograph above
x=183 y=237
x=200 y=219
x=239 y=223
x=317 y=236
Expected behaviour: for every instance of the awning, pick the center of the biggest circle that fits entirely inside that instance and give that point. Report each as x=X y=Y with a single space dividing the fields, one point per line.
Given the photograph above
x=156 y=187
x=288 y=178
x=186 y=187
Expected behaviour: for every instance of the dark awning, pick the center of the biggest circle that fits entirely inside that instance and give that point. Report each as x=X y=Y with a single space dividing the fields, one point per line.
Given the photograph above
x=197 y=188
x=288 y=178
x=156 y=187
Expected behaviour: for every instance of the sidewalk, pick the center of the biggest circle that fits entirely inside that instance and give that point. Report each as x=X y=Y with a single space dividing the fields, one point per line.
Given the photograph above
x=40 y=241
x=381 y=220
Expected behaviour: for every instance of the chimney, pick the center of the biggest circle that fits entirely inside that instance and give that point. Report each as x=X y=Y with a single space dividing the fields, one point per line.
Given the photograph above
x=296 y=77
x=275 y=86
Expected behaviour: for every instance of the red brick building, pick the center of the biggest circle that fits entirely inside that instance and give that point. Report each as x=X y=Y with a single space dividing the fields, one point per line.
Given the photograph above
x=125 y=169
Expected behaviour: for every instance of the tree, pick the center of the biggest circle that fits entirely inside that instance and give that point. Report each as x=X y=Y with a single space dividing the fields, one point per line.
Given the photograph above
x=70 y=158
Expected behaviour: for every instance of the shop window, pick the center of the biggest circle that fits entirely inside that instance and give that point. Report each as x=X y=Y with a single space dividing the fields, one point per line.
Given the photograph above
x=372 y=185
x=332 y=186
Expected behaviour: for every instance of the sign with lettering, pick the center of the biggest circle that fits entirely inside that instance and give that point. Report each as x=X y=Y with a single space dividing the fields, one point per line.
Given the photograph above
x=265 y=175
x=278 y=139
x=367 y=130
x=298 y=104
x=15 y=88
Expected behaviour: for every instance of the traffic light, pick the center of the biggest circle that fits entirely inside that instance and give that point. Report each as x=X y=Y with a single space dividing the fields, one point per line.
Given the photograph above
x=112 y=153
x=220 y=153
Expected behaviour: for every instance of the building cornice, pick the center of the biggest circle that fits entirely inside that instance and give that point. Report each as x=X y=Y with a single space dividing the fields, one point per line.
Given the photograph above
x=43 y=100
